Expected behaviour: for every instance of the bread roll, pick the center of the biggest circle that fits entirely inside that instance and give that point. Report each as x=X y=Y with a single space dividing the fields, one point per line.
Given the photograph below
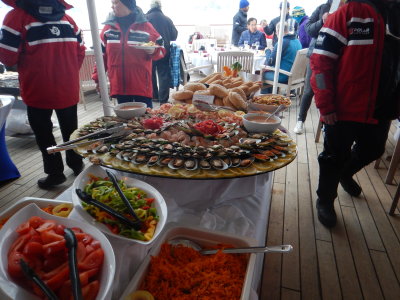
x=182 y=95
x=204 y=80
x=254 y=88
x=245 y=89
x=219 y=101
x=240 y=91
x=237 y=101
x=216 y=76
x=218 y=90
x=202 y=92
x=228 y=103
x=194 y=86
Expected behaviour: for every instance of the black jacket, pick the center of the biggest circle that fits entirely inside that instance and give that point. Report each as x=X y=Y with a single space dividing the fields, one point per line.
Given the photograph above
x=164 y=26
x=239 y=25
x=315 y=24
x=271 y=27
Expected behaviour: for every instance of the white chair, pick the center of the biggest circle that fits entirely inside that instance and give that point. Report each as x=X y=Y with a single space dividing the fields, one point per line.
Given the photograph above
x=227 y=58
x=85 y=76
x=296 y=75
x=187 y=71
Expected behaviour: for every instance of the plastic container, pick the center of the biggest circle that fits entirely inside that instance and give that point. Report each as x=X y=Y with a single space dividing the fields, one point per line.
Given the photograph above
x=151 y=192
x=204 y=238
x=8 y=235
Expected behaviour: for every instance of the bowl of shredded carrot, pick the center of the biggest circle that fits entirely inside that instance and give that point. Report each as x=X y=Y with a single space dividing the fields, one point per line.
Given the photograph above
x=179 y=272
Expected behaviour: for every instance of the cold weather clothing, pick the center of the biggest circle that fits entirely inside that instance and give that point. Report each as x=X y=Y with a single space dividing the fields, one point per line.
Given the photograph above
x=239 y=25
x=253 y=37
x=304 y=38
x=129 y=69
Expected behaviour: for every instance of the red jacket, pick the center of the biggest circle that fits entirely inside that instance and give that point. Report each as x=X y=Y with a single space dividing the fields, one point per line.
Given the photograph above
x=48 y=57
x=346 y=63
x=129 y=69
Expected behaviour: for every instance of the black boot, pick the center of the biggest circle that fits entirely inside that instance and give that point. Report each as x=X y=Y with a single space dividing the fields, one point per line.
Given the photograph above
x=326 y=213
x=350 y=186
x=51 y=180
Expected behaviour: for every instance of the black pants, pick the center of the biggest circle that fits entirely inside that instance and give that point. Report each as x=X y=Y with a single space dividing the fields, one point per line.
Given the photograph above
x=162 y=70
x=307 y=96
x=40 y=121
x=341 y=159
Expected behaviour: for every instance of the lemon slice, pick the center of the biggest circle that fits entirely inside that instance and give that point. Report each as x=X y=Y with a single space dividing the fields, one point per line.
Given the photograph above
x=107 y=159
x=188 y=173
x=140 y=295
x=263 y=167
x=250 y=170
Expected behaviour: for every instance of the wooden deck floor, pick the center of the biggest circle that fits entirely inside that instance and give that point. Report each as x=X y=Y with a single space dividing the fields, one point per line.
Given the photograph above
x=358 y=259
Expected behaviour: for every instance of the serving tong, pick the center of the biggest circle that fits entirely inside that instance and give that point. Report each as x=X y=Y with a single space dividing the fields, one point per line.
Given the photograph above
x=205 y=106
x=100 y=135
x=72 y=245
x=137 y=225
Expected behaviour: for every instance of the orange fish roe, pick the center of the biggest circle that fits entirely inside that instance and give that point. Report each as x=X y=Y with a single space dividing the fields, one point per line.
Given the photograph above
x=179 y=272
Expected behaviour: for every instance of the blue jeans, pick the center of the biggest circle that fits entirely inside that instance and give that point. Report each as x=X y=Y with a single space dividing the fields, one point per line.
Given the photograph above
x=133 y=98
x=269 y=75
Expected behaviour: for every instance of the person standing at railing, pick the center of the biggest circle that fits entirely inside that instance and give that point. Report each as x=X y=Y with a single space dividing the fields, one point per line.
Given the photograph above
x=161 y=68
x=129 y=68
x=45 y=45
x=240 y=21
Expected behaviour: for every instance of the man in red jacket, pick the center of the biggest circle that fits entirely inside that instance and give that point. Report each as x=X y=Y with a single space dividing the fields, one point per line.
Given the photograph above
x=346 y=65
x=129 y=67
x=47 y=49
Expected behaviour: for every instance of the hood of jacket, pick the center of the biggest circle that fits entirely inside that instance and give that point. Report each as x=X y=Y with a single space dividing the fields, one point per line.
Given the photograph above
x=289 y=37
x=155 y=10
x=138 y=13
x=13 y=3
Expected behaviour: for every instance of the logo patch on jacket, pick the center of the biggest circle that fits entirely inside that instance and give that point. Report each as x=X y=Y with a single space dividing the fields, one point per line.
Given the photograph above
x=361 y=32
x=54 y=30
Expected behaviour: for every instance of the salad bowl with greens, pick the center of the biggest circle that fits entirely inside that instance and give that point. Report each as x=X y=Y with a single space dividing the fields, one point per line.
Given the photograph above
x=147 y=202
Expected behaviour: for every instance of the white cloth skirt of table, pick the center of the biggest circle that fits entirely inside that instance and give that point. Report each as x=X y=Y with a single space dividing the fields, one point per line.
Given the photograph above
x=201 y=59
x=237 y=206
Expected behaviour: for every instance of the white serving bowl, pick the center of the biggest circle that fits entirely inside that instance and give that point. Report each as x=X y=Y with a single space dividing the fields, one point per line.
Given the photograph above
x=8 y=235
x=129 y=110
x=253 y=126
x=204 y=238
x=159 y=202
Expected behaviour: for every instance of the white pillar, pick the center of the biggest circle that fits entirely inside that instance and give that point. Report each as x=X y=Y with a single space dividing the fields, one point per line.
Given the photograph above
x=99 y=57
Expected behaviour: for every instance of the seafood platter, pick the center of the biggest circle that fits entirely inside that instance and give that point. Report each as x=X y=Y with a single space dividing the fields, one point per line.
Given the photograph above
x=181 y=141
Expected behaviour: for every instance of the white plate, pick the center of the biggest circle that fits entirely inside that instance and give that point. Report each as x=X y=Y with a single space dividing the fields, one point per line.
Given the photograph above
x=8 y=235
x=151 y=192
x=204 y=238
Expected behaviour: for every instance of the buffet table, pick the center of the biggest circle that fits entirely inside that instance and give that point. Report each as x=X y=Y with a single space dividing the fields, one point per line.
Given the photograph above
x=7 y=167
x=237 y=206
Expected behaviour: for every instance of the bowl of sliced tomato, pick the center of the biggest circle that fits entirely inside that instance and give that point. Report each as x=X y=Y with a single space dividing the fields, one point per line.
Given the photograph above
x=147 y=202
x=38 y=239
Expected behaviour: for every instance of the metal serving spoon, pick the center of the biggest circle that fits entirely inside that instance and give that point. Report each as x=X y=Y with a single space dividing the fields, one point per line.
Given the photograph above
x=197 y=247
x=276 y=111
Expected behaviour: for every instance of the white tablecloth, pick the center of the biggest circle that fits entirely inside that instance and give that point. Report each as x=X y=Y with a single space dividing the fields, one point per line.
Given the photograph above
x=206 y=43
x=238 y=206
x=7 y=103
x=200 y=58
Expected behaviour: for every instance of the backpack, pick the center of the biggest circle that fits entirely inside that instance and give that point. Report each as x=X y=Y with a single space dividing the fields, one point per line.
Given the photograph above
x=387 y=105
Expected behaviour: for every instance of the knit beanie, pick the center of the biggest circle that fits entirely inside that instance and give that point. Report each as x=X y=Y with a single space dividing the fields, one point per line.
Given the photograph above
x=131 y=4
x=298 y=13
x=243 y=3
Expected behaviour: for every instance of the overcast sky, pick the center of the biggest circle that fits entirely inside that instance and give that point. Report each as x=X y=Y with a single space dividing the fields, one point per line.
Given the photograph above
x=183 y=12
